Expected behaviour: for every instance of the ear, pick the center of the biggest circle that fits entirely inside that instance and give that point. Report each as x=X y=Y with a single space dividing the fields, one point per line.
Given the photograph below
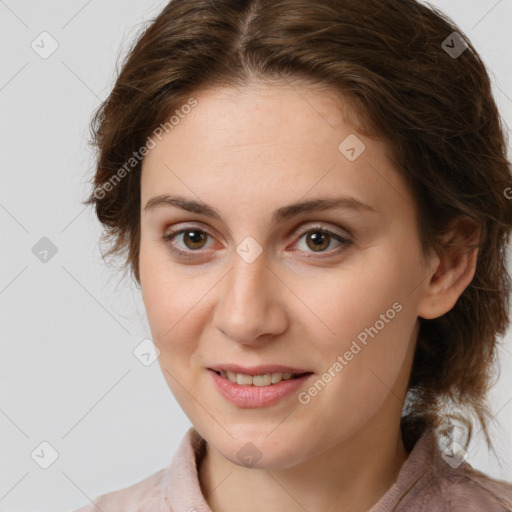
x=451 y=271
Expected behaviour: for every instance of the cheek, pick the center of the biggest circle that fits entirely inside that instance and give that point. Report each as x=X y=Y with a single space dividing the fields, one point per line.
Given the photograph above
x=355 y=300
x=173 y=322
x=167 y=307
x=370 y=314
x=367 y=378
x=371 y=346
x=171 y=317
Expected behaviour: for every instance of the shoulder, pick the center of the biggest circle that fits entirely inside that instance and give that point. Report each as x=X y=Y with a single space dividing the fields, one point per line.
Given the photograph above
x=433 y=478
x=146 y=493
x=469 y=490
x=463 y=489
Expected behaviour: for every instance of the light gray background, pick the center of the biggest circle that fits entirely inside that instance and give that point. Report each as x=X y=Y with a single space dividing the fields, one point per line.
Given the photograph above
x=69 y=326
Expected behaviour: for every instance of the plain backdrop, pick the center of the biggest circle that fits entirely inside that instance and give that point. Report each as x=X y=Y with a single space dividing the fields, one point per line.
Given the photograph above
x=69 y=325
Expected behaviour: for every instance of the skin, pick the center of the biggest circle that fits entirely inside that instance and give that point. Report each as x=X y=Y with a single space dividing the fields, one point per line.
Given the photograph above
x=247 y=152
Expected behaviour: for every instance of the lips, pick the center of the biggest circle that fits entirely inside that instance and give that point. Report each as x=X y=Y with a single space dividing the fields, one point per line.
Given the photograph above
x=261 y=393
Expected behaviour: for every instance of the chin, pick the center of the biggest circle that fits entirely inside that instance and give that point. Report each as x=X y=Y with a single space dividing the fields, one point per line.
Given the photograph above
x=254 y=448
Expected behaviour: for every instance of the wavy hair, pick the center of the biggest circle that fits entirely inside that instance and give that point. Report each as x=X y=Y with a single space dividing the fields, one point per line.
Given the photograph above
x=391 y=61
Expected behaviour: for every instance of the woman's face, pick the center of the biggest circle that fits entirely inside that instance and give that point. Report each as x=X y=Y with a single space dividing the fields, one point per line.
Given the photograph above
x=259 y=284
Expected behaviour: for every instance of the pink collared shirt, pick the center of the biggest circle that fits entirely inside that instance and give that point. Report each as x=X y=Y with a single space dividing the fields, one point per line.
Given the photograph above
x=426 y=483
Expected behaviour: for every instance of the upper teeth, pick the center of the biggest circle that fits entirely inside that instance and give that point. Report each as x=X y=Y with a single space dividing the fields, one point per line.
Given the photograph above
x=257 y=380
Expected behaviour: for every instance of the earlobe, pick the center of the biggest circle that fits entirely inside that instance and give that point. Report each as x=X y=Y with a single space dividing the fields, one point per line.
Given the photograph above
x=455 y=269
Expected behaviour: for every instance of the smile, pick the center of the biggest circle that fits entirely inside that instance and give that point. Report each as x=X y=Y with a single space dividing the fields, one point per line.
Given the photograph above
x=266 y=379
x=252 y=391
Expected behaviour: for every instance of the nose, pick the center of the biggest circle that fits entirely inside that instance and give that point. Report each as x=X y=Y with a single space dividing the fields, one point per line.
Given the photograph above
x=249 y=307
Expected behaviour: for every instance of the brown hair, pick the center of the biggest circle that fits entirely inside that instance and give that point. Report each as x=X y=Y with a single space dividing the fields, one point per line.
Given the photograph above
x=386 y=58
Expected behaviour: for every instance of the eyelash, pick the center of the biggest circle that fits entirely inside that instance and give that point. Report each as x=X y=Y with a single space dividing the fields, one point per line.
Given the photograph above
x=167 y=238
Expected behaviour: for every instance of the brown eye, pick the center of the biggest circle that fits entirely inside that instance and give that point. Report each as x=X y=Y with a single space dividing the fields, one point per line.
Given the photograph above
x=192 y=240
x=318 y=240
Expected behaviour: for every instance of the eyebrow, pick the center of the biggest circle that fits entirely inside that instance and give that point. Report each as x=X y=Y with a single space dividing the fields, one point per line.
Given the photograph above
x=280 y=215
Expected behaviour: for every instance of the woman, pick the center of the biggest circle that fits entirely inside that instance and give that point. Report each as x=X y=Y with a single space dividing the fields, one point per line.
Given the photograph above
x=312 y=198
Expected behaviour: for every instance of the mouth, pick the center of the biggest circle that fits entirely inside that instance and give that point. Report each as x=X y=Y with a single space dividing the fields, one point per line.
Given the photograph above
x=261 y=386
x=260 y=380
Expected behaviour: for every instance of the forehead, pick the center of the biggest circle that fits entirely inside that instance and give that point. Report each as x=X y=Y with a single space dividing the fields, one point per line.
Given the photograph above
x=268 y=139
x=261 y=111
